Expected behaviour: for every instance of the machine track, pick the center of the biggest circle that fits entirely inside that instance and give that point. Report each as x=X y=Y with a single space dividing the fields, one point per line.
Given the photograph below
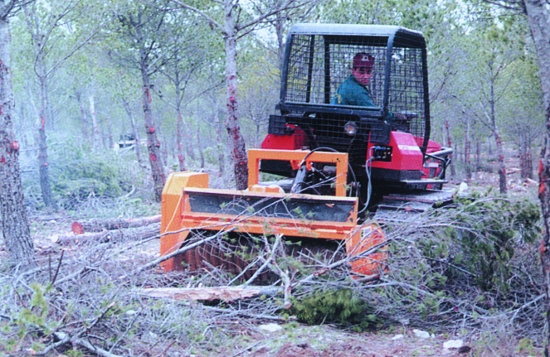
x=405 y=207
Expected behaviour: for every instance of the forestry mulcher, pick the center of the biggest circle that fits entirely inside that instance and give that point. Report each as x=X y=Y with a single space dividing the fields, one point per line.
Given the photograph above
x=330 y=162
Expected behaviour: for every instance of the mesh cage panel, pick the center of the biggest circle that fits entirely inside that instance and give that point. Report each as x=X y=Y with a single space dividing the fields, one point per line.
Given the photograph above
x=319 y=64
x=406 y=91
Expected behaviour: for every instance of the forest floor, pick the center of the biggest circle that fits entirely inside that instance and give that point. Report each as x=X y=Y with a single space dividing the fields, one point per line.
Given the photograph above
x=292 y=339
x=286 y=339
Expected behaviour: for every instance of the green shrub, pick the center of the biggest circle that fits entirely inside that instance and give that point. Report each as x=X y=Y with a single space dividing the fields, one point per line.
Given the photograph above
x=78 y=175
x=484 y=237
x=341 y=306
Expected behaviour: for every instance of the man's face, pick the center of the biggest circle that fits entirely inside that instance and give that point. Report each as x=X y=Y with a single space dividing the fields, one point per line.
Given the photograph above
x=362 y=74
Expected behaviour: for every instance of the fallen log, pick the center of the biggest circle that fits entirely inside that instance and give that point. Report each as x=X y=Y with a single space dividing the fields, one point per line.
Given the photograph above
x=99 y=225
x=129 y=234
x=224 y=293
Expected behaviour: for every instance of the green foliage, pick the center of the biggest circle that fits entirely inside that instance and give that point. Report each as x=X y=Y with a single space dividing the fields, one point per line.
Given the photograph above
x=34 y=318
x=470 y=262
x=79 y=176
x=341 y=306
x=525 y=345
x=88 y=178
x=484 y=239
x=75 y=353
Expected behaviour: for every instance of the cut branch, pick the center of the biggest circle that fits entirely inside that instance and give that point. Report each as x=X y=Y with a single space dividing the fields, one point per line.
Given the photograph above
x=224 y=293
x=130 y=234
x=98 y=225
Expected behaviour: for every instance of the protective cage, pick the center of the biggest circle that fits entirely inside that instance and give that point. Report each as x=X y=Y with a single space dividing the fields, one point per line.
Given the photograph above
x=319 y=57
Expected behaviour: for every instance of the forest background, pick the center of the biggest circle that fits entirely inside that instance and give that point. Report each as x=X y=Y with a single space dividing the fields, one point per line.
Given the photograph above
x=91 y=77
x=80 y=71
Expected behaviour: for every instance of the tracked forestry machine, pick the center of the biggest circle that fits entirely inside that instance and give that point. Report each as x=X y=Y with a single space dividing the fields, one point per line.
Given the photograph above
x=329 y=166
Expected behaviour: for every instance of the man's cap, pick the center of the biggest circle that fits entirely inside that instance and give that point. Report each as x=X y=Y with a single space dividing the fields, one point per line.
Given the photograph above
x=362 y=59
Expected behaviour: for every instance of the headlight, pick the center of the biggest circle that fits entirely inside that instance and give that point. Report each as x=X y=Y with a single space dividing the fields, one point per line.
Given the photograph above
x=350 y=128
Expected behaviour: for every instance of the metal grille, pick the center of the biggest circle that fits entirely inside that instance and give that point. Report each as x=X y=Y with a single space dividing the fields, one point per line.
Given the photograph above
x=406 y=91
x=329 y=132
x=313 y=77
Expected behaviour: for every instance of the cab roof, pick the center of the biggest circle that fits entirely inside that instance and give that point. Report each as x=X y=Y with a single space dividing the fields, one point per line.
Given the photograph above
x=397 y=34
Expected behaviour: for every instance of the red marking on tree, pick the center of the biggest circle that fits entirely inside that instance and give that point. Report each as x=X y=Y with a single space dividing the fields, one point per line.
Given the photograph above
x=151 y=129
x=14 y=145
x=42 y=121
x=153 y=157
x=148 y=94
x=2 y=160
x=542 y=186
x=1 y=110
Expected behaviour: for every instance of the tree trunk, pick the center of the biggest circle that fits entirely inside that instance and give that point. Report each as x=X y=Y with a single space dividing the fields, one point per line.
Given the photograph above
x=153 y=144
x=221 y=155
x=498 y=139
x=502 y=185
x=180 y=147
x=164 y=148
x=83 y=118
x=95 y=128
x=117 y=235
x=135 y=131
x=223 y=293
x=188 y=137
x=279 y=22
x=99 y=225
x=236 y=141
x=44 y=171
x=179 y=138
x=528 y=168
x=478 y=155
x=467 y=152
x=539 y=22
x=15 y=225
x=450 y=145
x=44 y=115
x=201 y=149
x=44 y=165
x=525 y=159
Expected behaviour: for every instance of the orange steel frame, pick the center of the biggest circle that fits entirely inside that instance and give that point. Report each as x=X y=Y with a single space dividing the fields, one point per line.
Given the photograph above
x=294 y=156
x=178 y=218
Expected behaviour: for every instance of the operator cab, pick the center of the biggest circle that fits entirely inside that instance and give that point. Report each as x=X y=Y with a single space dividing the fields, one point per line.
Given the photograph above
x=317 y=60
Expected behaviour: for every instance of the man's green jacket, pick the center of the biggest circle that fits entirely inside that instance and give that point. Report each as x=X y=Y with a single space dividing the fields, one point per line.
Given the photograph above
x=351 y=92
